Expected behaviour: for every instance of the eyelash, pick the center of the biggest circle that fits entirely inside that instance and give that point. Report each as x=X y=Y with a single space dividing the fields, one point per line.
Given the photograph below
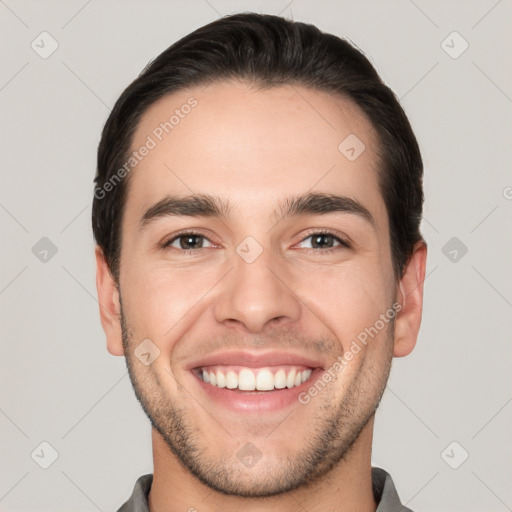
x=343 y=243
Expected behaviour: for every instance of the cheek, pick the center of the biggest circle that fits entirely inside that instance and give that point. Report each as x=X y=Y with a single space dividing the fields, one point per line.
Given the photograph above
x=347 y=299
x=161 y=301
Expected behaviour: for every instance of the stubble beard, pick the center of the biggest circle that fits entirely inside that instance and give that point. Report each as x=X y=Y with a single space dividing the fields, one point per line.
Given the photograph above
x=336 y=428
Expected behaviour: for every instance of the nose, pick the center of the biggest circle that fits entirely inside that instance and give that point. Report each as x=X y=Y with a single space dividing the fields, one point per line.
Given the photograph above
x=256 y=294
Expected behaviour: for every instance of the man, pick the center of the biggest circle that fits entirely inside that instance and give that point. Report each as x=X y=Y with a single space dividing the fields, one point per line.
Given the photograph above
x=259 y=264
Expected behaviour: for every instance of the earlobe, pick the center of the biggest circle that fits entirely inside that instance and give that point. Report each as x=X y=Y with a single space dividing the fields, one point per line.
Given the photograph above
x=408 y=320
x=110 y=308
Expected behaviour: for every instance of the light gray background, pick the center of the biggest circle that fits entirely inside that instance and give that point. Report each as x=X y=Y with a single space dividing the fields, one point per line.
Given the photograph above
x=58 y=382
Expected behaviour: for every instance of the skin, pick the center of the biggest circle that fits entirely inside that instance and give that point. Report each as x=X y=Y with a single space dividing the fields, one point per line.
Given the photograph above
x=253 y=148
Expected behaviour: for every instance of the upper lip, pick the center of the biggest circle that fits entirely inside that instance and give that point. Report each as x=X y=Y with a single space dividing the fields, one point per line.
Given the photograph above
x=255 y=359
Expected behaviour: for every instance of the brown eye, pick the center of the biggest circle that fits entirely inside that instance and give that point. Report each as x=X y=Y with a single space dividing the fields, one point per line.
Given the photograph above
x=322 y=240
x=327 y=241
x=187 y=242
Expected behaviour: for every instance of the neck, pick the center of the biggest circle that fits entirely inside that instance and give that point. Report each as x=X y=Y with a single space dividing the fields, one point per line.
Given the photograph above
x=346 y=487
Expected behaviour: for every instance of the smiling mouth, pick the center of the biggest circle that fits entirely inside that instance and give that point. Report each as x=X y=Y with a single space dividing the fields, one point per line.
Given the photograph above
x=239 y=378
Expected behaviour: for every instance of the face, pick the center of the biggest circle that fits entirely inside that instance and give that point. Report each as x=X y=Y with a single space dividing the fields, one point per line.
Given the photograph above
x=265 y=283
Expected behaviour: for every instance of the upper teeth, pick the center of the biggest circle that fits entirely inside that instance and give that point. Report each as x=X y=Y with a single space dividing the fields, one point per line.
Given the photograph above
x=261 y=379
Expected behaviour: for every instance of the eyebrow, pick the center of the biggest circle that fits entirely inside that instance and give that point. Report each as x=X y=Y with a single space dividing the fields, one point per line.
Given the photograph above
x=205 y=205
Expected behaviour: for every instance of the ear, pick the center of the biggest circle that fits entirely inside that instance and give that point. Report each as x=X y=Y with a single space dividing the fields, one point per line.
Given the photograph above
x=408 y=320
x=110 y=308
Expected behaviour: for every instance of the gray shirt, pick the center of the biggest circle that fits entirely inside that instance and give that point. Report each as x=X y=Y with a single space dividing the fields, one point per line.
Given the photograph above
x=383 y=490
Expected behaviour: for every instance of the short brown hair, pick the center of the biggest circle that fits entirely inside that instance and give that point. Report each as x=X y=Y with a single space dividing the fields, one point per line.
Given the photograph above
x=268 y=51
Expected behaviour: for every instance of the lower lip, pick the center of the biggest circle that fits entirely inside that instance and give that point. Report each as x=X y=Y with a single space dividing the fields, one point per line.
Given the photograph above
x=257 y=401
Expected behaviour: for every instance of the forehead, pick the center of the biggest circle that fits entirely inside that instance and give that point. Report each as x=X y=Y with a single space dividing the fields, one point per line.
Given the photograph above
x=253 y=147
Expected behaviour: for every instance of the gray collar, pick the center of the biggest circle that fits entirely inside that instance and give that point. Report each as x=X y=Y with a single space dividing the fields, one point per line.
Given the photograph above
x=383 y=487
